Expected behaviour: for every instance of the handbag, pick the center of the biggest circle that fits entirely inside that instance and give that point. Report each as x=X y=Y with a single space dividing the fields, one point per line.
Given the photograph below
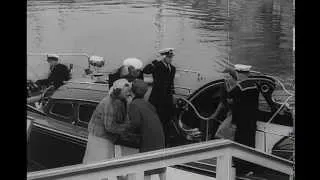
x=226 y=129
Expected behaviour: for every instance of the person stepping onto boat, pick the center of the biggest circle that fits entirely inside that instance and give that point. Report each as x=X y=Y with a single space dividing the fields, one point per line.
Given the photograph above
x=245 y=102
x=161 y=96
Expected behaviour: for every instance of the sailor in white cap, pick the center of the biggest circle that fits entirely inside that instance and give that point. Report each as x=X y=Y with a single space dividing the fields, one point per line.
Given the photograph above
x=163 y=73
x=58 y=73
x=245 y=109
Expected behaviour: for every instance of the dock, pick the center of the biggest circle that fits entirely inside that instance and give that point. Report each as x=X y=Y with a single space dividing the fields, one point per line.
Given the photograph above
x=219 y=152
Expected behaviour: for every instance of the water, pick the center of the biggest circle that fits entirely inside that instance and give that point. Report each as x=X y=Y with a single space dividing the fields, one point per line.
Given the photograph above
x=255 y=32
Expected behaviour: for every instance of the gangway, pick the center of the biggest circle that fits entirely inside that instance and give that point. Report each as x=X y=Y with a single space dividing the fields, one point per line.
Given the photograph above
x=223 y=151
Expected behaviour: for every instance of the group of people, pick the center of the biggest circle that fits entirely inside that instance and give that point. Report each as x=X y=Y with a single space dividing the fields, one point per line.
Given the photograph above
x=125 y=110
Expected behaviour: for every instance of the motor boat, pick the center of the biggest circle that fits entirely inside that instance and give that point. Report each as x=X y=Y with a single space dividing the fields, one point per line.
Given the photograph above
x=60 y=118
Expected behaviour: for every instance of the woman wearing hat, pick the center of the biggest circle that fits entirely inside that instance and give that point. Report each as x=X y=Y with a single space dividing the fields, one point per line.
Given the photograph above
x=130 y=69
x=108 y=120
x=163 y=73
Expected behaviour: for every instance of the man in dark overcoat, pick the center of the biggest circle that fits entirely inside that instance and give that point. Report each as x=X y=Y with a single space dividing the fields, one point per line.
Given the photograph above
x=144 y=116
x=163 y=73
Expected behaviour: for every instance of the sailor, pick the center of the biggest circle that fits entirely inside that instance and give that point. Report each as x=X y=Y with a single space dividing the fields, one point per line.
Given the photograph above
x=245 y=96
x=58 y=73
x=163 y=73
x=245 y=102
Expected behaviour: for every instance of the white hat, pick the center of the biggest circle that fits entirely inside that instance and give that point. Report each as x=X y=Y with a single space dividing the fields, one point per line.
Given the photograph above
x=52 y=56
x=242 y=67
x=119 y=84
x=96 y=58
x=136 y=63
x=96 y=61
x=166 y=51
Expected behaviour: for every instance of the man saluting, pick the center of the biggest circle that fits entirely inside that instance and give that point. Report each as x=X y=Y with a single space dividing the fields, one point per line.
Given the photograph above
x=163 y=73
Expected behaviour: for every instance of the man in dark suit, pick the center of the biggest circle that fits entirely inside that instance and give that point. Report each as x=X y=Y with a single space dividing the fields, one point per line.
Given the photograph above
x=58 y=73
x=143 y=115
x=163 y=73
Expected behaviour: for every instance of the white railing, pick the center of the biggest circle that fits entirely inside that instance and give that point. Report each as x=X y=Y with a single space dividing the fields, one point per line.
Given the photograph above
x=223 y=150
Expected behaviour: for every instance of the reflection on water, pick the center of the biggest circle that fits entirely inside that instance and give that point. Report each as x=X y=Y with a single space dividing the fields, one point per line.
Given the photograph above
x=257 y=32
x=262 y=35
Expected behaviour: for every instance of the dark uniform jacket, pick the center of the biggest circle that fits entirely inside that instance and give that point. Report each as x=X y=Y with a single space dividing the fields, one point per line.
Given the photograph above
x=143 y=115
x=245 y=111
x=163 y=87
x=58 y=74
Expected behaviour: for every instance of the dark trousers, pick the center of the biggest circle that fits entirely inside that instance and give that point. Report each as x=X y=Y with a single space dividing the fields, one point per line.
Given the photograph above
x=165 y=114
x=245 y=134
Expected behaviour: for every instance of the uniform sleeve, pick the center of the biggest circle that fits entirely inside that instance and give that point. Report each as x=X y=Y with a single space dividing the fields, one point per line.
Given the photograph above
x=172 y=81
x=149 y=69
x=59 y=74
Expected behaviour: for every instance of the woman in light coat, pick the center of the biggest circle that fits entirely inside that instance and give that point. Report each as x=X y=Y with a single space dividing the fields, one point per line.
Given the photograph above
x=107 y=121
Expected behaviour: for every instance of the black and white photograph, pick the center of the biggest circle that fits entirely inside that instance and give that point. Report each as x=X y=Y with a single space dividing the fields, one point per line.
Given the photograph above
x=160 y=89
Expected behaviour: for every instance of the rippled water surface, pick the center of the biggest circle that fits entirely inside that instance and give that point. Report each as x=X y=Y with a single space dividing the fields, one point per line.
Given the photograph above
x=255 y=32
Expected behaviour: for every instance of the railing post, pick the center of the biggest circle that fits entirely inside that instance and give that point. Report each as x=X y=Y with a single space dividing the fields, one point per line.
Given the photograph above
x=110 y=178
x=224 y=167
x=136 y=176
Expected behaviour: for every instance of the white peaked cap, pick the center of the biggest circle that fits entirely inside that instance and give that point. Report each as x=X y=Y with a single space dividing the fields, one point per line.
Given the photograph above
x=166 y=50
x=136 y=63
x=96 y=58
x=242 y=67
x=52 y=56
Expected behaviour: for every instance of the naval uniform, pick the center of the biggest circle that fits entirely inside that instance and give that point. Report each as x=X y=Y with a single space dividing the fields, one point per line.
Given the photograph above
x=245 y=105
x=59 y=73
x=161 y=96
x=245 y=97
